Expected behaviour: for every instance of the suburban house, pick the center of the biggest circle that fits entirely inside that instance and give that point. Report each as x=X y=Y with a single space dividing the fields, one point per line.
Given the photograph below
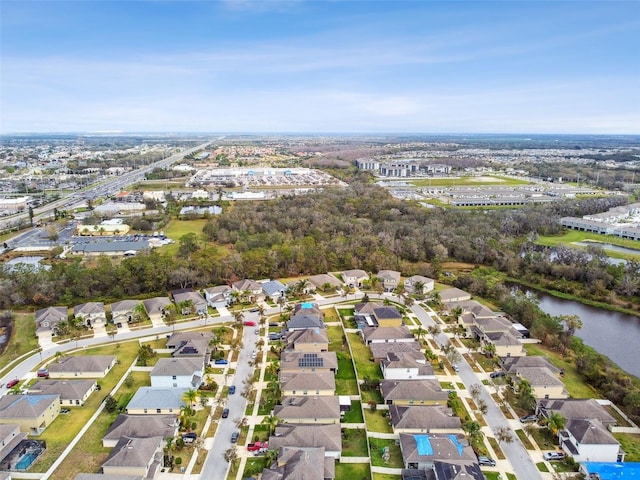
x=457 y=470
x=248 y=290
x=189 y=301
x=135 y=456
x=156 y=401
x=372 y=314
x=576 y=409
x=354 y=278
x=140 y=426
x=407 y=366
x=420 y=451
x=380 y=350
x=544 y=383
x=86 y=366
x=155 y=308
x=291 y=361
x=92 y=314
x=309 y=340
x=423 y=419
x=274 y=290
x=505 y=344
x=511 y=365
x=10 y=438
x=33 y=413
x=124 y=311
x=413 y=392
x=399 y=334
x=191 y=344
x=183 y=372
x=319 y=436
x=47 y=320
x=419 y=285
x=588 y=440
x=308 y=383
x=301 y=463
x=453 y=295
x=309 y=409
x=390 y=279
x=323 y=280
x=304 y=320
x=71 y=392
x=219 y=296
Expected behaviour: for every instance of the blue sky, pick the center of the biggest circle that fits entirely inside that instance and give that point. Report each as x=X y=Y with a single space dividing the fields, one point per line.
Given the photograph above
x=320 y=66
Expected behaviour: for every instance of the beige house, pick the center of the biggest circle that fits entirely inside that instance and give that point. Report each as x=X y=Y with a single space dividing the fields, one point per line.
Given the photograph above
x=156 y=401
x=419 y=285
x=155 y=308
x=47 y=320
x=308 y=383
x=72 y=392
x=400 y=334
x=87 y=366
x=135 y=456
x=316 y=409
x=544 y=383
x=506 y=345
x=92 y=314
x=390 y=279
x=123 y=312
x=33 y=413
x=326 y=436
x=354 y=278
x=413 y=392
x=309 y=340
x=423 y=419
x=291 y=361
x=140 y=426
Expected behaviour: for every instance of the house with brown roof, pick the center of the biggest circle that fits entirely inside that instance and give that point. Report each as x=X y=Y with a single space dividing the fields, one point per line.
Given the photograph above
x=390 y=279
x=354 y=278
x=291 y=361
x=188 y=301
x=92 y=314
x=309 y=340
x=420 y=451
x=82 y=366
x=399 y=334
x=319 y=436
x=301 y=463
x=308 y=383
x=323 y=280
x=576 y=409
x=588 y=440
x=140 y=426
x=309 y=409
x=413 y=392
x=380 y=350
x=72 y=392
x=423 y=419
x=47 y=320
x=371 y=314
x=248 y=290
x=406 y=366
x=135 y=456
x=544 y=383
x=419 y=285
x=33 y=413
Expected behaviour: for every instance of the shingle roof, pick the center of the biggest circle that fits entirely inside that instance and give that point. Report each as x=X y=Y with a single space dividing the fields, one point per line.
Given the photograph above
x=273 y=287
x=380 y=350
x=435 y=446
x=291 y=435
x=153 y=398
x=296 y=463
x=305 y=321
x=317 y=407
x=423 y=416
x=156 y=304
x=182 y=296
x=25 y=406
x=538 y=376
x=66 y=389
x=51 y=316
x=85 y=363
x=355 y=273
x=389 y=274
x=103 y=476
x=578 y=408
x=387 y=312
x=142 y=426
x=290 y=360
x=458 y=470
x=124 y=306
x=386 y=333
x=511 y=364
x=320 y=280
x=310 y=335
x=89 y=308
x=133 y=452
x=417 y=390
x=302 y=381
x=590 y=432
x=218 y=289
x=246 y=284
x=367 y=307
x=177 y=366
x=452 y=294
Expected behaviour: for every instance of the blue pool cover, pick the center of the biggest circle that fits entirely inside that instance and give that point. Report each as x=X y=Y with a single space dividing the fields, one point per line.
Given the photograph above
x=458 y=445
x=424 y=445
x=614 y=471
x=306 y=305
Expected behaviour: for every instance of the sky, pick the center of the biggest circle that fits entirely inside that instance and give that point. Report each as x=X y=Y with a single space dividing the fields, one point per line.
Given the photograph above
x=330 y=66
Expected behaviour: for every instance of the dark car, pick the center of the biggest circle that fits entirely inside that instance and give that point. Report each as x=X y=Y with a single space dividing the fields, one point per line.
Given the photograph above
x=189 y=437
x=232 y=389
x=529 y=419
x=12 y=383
x=221 y=361
x=497 y=374
x=234 y=437
x=225 y=413
x=486 y=461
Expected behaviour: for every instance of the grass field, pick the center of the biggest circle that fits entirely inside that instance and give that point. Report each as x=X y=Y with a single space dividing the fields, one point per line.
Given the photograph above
x=23 y=338
x=493 y=181
x=376 y=422
x=354 y=443
x=395 y=455
x=354 y=414
x=354 y=471
x=177 y=228
x=630 y=443
x=576 y=236
x=386 y=476
x=365 y=367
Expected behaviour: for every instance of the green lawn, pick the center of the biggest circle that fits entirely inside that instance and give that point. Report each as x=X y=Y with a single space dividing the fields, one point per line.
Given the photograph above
x=385 y=476
x=365 y=367
x=254 y=466
x=525 y=440
x=371 y=395
x=346 y=383
x=354 y=443
x=395 y=455
x=376 y=422
x=577 y=236
x=496 y=447
x=354 y=415
x=544 y=438
x=630 y=443
x=177 y=228
x=475 y=181
x=23 y=338
x=353 y=471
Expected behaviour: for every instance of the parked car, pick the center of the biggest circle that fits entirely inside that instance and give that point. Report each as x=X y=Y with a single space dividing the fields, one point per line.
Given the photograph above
x=456 y=368
x=234 y=437
x=225 y=413
x=486 y=461
x=250 y=323
x=257 y=331
x=529 y=419
x=274 y=324
x=553 y=456
x=255 y=446
x=221 y=361
x=254 y=310
x=189 y=437
x=12 y=383
x=497 y=374
x=254 y=355
x=43 y=373
x=232 y=389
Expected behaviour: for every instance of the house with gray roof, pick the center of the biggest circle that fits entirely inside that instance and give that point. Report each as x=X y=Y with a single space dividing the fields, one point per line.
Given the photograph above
x=406 y=366
x=413 y=392
x=309 y=409
x=191 y=344
x=218 y=296
x=511 y=365
x=322 y=280
x=110 y=247
x=82 y=366
x=10 y=438
x=423 y=419
x=274 y=289
x=308 y=340
x=182 y=372
x=399 y=334
x=390 y=279
x=420 y=451
x=380 y=350
x=419 y=285
x=588 y=440
x=92 y=314
x=326 y=436
x=304 y=321
x=449 y=295
x=102 y=476
x=123 y=312
x=291 y=361
x=308 y=383
x=188 y=301
x=457 y=470
x=544 y=383
x=248 y=290
x=155 y=308
x=354 y=278
x=297 y=463
x=156 y=401
x=576 y=409
x=47 y=320
x=140 y=426
x=72 y=392
x=135 y=456
x=33 y=413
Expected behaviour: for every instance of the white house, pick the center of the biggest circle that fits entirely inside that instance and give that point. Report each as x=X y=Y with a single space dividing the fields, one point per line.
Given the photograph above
x=183 y=372
x=588 y=440
x=354 y=278
x=406 y=366
x=219 y=296
x=424 y=284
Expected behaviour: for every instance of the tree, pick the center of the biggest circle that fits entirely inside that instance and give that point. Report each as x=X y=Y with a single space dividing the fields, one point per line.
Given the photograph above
x=190 y=397
x=238 y=316
x=129 y=381
x=475 y=390
x=230 y=454
x=503 y=434
x=110 y=404
x=571 y=324
x=433 y=331
x=555 y=423
x=272 y=422
x=188 y=244
x=489 y=349
x=472 y=429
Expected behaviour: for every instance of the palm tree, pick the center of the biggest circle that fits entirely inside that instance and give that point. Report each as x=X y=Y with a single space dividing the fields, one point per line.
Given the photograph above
x=281 y=302
x=418 y=288
x=190 y=396
x=272 y=421
x=555 y=423
x=302 y=285
x=274 y=387
x=420 y=332
x=489 y=350
x=238 y=316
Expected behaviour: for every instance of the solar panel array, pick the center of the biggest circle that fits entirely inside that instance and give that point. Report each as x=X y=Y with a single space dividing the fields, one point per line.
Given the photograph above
x=310 y=360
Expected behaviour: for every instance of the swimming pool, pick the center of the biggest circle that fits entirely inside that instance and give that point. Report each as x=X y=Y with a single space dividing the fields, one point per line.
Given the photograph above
x=27 y=459
x=614 y=471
